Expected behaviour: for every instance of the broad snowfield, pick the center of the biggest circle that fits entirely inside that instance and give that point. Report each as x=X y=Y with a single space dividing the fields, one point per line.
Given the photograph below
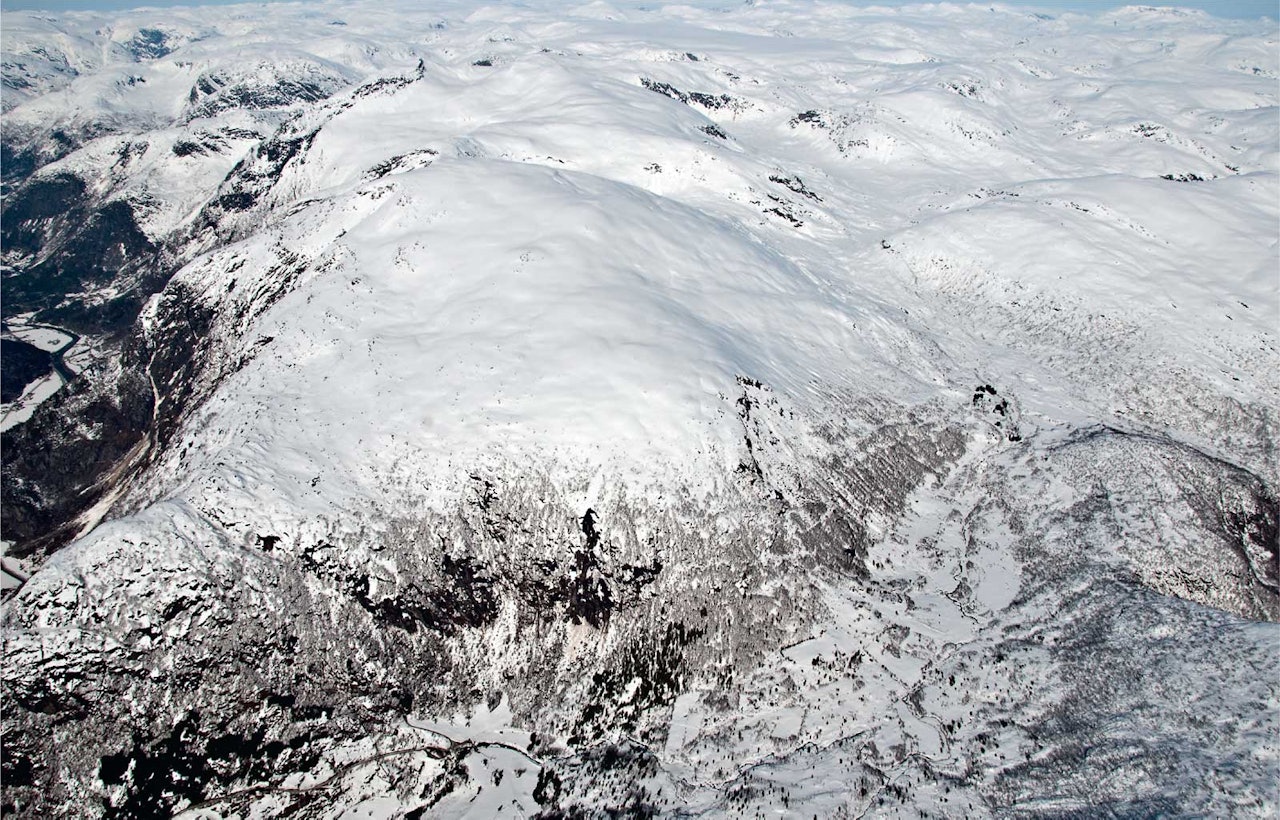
x=778 y=409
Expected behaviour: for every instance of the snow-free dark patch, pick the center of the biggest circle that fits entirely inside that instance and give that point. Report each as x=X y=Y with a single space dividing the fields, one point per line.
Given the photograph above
x=20 y=364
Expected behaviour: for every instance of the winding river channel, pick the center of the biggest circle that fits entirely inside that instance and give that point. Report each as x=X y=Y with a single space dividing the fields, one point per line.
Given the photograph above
x=57 y=342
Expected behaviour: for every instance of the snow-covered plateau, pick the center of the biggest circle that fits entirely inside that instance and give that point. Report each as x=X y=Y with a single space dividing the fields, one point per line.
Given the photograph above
x=787 y=409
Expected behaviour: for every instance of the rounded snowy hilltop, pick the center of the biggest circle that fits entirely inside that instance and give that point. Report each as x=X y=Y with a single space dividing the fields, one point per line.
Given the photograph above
x=785 y=408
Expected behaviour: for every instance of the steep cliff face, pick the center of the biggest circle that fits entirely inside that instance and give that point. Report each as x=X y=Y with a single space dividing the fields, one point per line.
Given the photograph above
x=632 y=412
x=102 y=181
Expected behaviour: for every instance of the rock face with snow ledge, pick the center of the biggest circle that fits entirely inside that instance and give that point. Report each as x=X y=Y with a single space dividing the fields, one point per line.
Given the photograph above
x=628 y=412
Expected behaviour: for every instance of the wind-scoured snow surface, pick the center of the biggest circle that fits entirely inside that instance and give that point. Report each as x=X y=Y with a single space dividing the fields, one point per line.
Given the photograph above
x=778 y=409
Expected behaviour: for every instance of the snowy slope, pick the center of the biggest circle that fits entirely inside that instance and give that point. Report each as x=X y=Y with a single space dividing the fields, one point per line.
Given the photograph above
x=787 y=408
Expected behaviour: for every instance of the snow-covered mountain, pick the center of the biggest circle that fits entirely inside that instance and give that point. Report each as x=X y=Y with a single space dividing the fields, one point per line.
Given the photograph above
x=781 y=408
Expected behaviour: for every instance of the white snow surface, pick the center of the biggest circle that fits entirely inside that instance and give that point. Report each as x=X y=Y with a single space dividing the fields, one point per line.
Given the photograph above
x=537 y=284
x=543 y=265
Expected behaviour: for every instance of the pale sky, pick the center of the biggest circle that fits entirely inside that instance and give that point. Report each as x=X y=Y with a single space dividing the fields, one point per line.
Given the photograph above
x=1222 y=8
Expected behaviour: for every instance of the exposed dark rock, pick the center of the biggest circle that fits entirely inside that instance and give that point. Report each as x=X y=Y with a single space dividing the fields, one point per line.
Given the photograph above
x=20 y=364
x=17 y=162
x=403 y=162
x=149 y=44
x=54 y=462
x=783 y=211
x=256 y=174
x=216 y=92
x=464 y=597
x=997 y=409
x=796 y=185
x=179 y=769
x=72 y=243
x=964 y=89
x=619 y=771
x=386 y=85
x=26 y=223
x=665 y=89
x=657 y=661
x=708 y=101
x=813 y=118
x=589 y=529
x=203 y=143
x=711 y=101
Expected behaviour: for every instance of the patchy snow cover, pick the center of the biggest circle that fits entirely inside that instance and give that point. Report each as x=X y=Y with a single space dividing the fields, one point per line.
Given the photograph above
x=51 y=340
x=787 y=408
x=21 y=408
